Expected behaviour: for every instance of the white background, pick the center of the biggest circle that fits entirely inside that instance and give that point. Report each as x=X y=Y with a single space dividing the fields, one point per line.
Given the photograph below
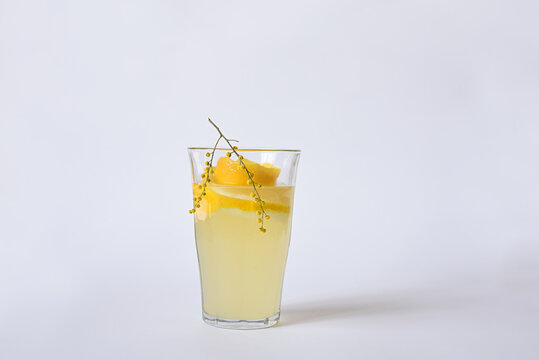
x=417 y=206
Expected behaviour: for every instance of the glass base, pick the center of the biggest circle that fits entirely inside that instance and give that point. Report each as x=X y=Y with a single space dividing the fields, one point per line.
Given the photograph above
x=241 y=324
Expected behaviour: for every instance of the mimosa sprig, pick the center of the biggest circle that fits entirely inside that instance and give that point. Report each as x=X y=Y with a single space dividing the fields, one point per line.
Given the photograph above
x=205 y=178
x=262 y=215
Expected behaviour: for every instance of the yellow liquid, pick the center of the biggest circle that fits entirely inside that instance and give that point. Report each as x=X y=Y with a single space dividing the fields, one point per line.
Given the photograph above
x=241 y=268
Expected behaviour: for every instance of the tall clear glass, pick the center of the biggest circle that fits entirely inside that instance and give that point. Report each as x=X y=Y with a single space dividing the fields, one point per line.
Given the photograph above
x=242 y=267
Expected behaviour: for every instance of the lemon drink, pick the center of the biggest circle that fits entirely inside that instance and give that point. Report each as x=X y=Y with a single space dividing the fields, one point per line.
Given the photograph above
x=241 y=267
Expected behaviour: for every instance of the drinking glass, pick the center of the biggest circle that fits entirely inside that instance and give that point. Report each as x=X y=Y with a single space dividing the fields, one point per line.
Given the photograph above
x=242 y=266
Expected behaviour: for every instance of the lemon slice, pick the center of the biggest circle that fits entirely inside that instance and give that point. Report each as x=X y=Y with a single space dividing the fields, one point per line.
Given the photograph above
x=276 y=198
x=228 y=172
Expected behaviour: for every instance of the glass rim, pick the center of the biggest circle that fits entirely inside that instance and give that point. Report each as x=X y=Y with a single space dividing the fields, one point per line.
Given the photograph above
x=245 y=149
